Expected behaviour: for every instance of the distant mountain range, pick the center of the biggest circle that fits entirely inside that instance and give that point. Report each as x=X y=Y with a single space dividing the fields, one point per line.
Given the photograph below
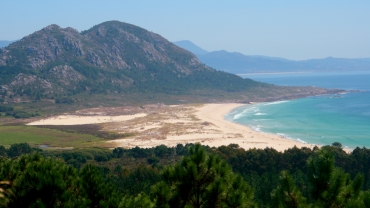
x=196 y=50
x=238 y=63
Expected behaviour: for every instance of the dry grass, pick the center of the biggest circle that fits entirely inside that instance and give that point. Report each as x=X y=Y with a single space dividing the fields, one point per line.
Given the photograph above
x=163 y=122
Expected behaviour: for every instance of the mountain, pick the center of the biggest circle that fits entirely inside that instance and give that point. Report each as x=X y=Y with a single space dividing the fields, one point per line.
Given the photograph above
x=4 y=43
x=112 y=57
x=238 y=63
x=191 y=47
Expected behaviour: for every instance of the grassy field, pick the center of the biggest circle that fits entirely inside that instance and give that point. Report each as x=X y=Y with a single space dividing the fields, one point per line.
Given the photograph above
x=43 y=136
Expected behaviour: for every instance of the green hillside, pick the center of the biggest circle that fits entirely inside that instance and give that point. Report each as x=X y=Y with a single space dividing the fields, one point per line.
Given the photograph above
x=112 y=57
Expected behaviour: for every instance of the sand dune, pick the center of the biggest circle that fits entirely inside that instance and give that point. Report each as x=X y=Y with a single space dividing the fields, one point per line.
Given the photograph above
x=78 y=120
x=218 y=132
x=171 y=125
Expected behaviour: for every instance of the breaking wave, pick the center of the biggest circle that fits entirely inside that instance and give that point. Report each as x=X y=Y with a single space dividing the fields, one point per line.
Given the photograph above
x=276 y=103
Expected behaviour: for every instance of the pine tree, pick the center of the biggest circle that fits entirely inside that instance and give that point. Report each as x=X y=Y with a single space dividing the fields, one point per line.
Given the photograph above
x=98 y=191
x=201 y=180
x=16 y=150
x=139 y=201
x=331 y=186
x=41 y=182
x=287 y=195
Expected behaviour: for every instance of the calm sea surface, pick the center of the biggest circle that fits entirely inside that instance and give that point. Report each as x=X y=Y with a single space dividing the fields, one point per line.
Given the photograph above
x=315 y=120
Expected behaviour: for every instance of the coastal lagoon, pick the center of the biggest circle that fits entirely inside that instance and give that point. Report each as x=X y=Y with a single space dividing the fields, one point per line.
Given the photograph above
x=321 y=120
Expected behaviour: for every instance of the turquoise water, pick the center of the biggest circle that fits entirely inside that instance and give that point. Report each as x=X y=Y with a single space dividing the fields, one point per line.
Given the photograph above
x=316 y=120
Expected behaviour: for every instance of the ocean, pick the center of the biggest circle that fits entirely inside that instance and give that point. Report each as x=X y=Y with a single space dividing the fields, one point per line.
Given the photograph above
x=320 y=120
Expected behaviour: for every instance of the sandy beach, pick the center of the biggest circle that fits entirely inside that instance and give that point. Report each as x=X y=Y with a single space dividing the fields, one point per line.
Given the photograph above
x=213 y=130
x=171 y=125
x=247 y=138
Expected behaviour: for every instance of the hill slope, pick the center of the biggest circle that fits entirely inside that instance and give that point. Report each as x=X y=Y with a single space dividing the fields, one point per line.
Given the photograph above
x=111 y=57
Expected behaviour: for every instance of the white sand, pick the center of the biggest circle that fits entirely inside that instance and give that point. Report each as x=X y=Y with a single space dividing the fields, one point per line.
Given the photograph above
x=78 y=120
x=219 y=132
x=248 y=138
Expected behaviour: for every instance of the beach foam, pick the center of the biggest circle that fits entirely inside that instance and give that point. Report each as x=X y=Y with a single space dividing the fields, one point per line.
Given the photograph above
x=276 y=103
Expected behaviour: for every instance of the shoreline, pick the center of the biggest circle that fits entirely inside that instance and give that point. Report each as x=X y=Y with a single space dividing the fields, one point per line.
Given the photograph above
x=305 y=143
x=210 y=128
x=178 y=124
x=268 y=73
x=249 y=138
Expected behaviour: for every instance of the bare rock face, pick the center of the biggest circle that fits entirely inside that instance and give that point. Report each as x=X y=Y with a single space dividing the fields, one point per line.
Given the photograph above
x=110 y=46
x=59 y=78
x=45 y=46
x=125 y=46
x=101 y=31
x=94 y=59
x=3 y=56
x=29 y=83
x=71 y=43
x=66 y=75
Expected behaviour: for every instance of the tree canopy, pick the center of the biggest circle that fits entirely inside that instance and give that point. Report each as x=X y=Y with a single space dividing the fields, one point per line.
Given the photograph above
x=193 y=176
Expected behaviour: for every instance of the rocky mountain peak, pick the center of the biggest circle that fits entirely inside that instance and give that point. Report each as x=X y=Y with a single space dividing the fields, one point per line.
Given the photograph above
x=51 y=27
x=109 y=56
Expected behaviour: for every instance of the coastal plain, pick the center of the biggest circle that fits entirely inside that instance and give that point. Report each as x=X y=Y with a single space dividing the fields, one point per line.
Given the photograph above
x=158 y=124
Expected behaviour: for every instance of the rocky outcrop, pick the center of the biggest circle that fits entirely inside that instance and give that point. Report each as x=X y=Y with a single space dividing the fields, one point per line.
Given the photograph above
x=94 y=59
x=111 y=45
x=22 y=80
x=71 y=43
x=3 y=56
x=124 y=46
x=65 y=75
x=44 y=46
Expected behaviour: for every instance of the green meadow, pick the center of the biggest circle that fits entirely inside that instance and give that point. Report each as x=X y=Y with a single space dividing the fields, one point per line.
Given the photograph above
x=42 y=136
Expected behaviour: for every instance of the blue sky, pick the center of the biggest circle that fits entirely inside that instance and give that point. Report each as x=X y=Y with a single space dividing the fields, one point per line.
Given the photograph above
x=295 y=30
